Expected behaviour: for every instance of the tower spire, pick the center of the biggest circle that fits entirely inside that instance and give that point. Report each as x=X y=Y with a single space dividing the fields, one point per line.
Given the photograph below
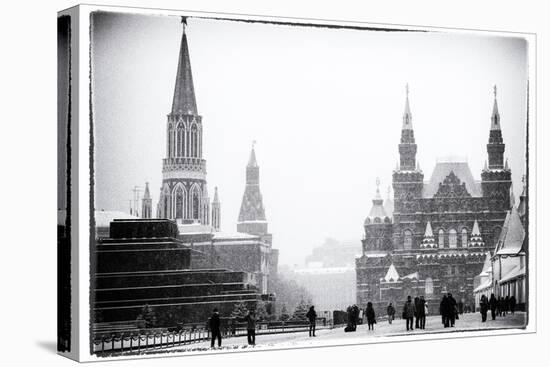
x=216 y=212
x=252 y=214
x=495 y=116
x=407 y=146
x=407 y=115
x=252 y=160
x=146 y=203
x=184 y=92
x=495 y=147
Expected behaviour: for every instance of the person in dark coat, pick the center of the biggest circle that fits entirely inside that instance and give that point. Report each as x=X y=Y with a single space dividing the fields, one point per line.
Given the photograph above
x=512 y=304
x=390 y=310
x=452 y=310
x=250 y=320
x=493 y=305
x=500 y=306
x=483 y=307
x=214 y=325
x=371 y=317
x=408 y=313
x=445 y=308
x=416 y=310
x=421 y=312
x=311 y=316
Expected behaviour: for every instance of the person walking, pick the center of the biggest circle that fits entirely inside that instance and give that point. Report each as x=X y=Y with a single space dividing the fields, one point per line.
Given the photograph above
x=408 y=313
x=483 y=307
x=371 y=316
x=443 y=310
x=421 y=312
x=512 y=304
x=416 y=312
x=493 y=305
x=390 y=310
x=214 y=325
x=250 y=319
x=312 y=317
x=453 y=309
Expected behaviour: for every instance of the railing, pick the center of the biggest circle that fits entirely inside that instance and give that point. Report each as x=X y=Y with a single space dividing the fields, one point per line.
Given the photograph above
x=150 y=339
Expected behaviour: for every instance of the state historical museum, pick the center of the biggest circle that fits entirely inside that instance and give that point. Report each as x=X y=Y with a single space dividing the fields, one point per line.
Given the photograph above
x=435 y=235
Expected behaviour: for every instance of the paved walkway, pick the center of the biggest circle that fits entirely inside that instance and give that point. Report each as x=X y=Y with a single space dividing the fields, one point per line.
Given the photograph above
x=433 y=325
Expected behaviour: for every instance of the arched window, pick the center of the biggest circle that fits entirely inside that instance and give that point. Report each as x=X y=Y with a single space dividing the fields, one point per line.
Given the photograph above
x=407 y=239
x=452 y=238
x=179 y=203
x=464 y=238
x=180 y=140
x=441 y=238
x=196 y=203
x=429 y=286
x=187 y=144
x=194 y=141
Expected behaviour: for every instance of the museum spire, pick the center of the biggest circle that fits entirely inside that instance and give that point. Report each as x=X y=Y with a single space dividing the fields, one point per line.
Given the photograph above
x=407 y=115
x=495 y=116
x=184 y=93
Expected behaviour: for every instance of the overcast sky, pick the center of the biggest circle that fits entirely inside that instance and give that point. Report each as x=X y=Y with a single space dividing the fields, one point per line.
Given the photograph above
x=324 y=105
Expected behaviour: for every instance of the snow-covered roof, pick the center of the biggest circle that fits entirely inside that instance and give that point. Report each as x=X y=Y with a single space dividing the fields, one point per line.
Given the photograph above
x=516 y=272
x=487 y=265
x=460 y=169
x=411 y=276
x=234 y=236
x=511 y=238
x=391 y=275
x=486 y=284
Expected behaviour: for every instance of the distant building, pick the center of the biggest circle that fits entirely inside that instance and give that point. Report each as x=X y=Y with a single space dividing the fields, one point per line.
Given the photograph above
x=437 y=236
x=147 y=204
x=331 y=288
x=334 y=254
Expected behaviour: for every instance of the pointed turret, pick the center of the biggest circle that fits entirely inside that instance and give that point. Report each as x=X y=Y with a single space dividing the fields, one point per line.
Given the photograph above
x=407 y=115
x=428 y=241
x=391 y=275
x=184 y=92
x=252 y=214
x=495 y=148
x=377 y=212
x=252 y=160
x=146 y=203
x=475 y=238
x=495 y=116
x=407 y=147
x=216 y=212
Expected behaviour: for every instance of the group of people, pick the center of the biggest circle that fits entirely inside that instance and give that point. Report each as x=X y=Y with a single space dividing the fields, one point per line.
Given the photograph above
x=215 y=327
x=353 y=317
x=448 y=308
x=214 y=324
x=499 y=306
x=411 y=311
